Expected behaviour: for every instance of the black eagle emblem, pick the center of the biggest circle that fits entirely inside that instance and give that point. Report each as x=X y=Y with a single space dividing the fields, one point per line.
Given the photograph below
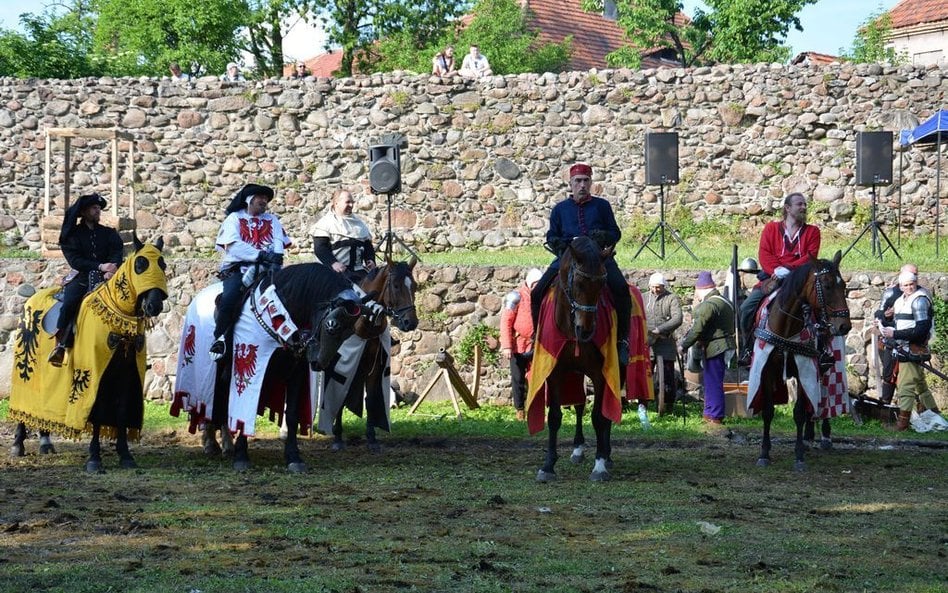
x=27 y=342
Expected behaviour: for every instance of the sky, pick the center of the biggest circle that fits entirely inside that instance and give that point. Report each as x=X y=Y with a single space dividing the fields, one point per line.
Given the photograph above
x=828 y=25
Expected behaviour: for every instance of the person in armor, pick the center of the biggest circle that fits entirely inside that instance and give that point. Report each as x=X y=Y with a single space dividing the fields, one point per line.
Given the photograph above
x=662 y=318
x=885 y=314
x=253 y=242
x=516 y=337
x=785 y=245
x=342 y=241
x=585 y=214
x=913 y=327
x=94 y=253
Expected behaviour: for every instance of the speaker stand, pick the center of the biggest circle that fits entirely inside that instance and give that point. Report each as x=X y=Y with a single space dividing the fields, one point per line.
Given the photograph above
x=390 y=238
x=876 y=227
x=661 y=228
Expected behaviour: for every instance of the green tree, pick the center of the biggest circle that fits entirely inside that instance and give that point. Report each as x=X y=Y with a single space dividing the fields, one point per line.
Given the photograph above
x=869 y=44
x=730 y=31
x=267 y=20
x=141 y=37
x=53 y=46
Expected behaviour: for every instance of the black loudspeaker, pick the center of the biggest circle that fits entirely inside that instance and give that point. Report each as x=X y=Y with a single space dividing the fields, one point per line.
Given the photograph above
x=873 y=158
x=385 y=172
x=661 y=158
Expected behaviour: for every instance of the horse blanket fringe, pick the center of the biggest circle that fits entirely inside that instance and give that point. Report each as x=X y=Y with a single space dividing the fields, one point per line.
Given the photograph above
x=194 y=382
x=828 y=394
x=335 y=384
x=548 y=346
x=60 y=400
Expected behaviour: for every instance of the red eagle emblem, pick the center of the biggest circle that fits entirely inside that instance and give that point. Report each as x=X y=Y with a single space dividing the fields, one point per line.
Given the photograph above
x=245 y=365
x=256 y=231
x=189 y=347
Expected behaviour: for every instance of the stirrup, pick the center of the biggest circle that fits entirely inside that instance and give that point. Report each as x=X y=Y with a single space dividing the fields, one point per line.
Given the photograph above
x=57 y=356
x=218 y=349
x=622 y=349
x=746 y=358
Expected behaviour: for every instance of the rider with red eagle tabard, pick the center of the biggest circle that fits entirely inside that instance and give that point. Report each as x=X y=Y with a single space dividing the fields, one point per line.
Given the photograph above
x=249 y=237
x=785 y=245
x=583 y=214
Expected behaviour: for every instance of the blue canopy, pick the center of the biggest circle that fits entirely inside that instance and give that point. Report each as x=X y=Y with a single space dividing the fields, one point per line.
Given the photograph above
x=935 y=129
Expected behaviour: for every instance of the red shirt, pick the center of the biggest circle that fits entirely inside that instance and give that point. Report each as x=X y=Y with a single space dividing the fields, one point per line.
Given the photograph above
x=776 y=249
x=516 y=325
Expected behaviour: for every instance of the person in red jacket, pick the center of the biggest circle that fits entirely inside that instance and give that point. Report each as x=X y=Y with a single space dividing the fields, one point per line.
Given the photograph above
x=785 y=245
x=516 y=337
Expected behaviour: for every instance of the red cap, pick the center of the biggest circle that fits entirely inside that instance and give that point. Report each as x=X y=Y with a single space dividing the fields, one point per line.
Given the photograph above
x=580 y=169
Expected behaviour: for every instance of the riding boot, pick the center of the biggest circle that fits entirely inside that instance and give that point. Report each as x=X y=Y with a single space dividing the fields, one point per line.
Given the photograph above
x=903 y=422
x=58 y=355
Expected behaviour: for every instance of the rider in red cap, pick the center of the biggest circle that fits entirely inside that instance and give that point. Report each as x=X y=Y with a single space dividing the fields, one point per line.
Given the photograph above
x=582 y=214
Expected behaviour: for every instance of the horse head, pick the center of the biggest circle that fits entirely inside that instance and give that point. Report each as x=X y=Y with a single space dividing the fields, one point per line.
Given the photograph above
x=582 y=276
x=394 y=287
x=829 y=289
x=140 y=284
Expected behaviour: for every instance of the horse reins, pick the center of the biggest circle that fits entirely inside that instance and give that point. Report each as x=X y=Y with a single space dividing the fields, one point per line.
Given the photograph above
x=568 y=289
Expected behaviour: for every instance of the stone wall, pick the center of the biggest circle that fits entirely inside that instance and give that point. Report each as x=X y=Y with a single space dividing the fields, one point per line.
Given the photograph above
x=451 y=301
x=485 y=160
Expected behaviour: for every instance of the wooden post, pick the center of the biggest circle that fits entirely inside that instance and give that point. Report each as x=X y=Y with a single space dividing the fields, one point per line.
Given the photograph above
x=453 y=381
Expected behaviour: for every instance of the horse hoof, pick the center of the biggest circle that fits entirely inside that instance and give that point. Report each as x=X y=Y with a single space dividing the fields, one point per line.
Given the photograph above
x=296 y=468
x=338 y=446
x=241 y=466
x=600 y=477
x=17 y=451
x=799 y=466
x=375 y=448
x=763 y=462
x=47 y=449
x=127 y=463
x=545 y=476
x=212 y=449
x=826 y=444
x=94 y=467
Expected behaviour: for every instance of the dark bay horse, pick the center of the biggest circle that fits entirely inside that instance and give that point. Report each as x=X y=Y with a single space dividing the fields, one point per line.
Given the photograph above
x=808 y=312
x=393 y=287
x=99 y=389
x=580 y=340
x=276 y=343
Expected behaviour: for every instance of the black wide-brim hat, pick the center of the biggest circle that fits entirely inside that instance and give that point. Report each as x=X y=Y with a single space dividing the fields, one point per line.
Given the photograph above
x=75 y=211
x=239 y=201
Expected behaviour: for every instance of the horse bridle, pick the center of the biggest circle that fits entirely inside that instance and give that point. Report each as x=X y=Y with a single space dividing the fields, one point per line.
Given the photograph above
x=392 y=312
x=825 y=314
x=568 y=289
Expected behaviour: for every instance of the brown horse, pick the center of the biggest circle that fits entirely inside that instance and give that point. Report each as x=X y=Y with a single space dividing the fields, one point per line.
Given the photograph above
x=582 y=342
x=393 y=287
x=808 y=312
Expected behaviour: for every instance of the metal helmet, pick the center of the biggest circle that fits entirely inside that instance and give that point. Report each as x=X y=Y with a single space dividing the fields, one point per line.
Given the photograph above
x=749 y=265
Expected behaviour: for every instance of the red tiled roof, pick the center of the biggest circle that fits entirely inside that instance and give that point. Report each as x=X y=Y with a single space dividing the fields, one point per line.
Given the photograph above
x=913 y=12
x=594 y=36
x=813 y=58
x=321 y=66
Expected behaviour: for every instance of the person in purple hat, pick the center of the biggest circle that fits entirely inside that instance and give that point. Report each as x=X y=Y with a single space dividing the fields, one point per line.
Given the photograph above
x=713 y=330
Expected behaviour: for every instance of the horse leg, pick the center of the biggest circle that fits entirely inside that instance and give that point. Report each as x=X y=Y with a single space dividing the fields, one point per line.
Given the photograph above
x=338 y=444
x=241 y=455
x=126 y=461
x=370 y=437
x=46 y=444
x=291 y=449
x=801 y=419
x=809 y=431
x=209 y=440
x=94 y=463
x=767 y=413
x=826 y=440
x=579 y=441
x=227 y=443
x=18 y=449
x=603 y=428
x=554 y=418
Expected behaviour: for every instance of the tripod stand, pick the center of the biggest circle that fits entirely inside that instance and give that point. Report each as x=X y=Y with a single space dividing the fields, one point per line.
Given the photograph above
x=876 y=227
x=389 y=238
x=660 y=228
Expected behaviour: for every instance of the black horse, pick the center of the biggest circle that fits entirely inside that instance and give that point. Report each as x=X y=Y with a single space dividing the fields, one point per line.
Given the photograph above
x=395 y=288
x=99 y=389
x=324 y=310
